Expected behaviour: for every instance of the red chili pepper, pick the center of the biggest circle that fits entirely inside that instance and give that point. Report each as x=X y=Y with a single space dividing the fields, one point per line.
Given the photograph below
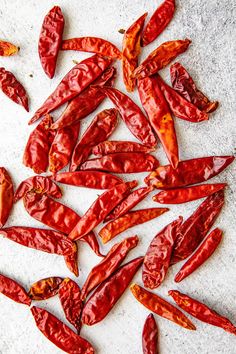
x=184 y=195
x=195 y=228
x=205 y=250
x=13 y=290
x=158 y=22
x=161 y=57
x=201 y=311
x=129 y=220
x=50 y=40
x=131 y=51
x=112 y=147
x=183 y=83
x=188 y=172
x=59 y=334
x=99 y=130
x=109 y=292
x=75 y=81
x=92 y=45
x=159 y=115
x=86 y=102
x=7 y=49
x=71 y=260
x=150 y=336
x=157 y=258
x=161 y=307
x=13 y=88
x=6 y=196
x=45 y=288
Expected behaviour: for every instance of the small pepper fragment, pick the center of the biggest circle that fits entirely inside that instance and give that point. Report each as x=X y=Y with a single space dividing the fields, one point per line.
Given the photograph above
x=150 y=336
x=45 y=288
x=6 y=196
x=7 y=49
x=112 y=147
x=13 y=290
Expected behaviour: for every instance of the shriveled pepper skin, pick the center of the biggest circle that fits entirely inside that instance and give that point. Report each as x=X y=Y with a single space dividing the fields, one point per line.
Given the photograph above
x=150 y=336
x=50 y=40
x=201 y=311
x=13 y=290
x=6 y=195
x=59 y=334
x=71 y=260
x=188 y=172
x=45 y=288
x=7 y=49
x=109 y=292
x=113 y=147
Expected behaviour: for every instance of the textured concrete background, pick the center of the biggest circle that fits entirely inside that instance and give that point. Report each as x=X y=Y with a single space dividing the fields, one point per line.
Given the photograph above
x=211 y=61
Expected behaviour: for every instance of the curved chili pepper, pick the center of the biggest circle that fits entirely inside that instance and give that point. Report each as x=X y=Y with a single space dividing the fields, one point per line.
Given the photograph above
x=50 y=40
x=183 y=83
x=7 y=49
x=188 y=172
x=157 y=258
x=71 y=260
x=161 y=57
x=159 y=116
x=45 y=288
x=59 y=334
x=150 y=336
x=129 y=220
x=112 y=147
x=109 y=292
x=92 y=45
x=158 y=22
x=160 y=306
x=13 y=290
x=201 y=311
x=6 y=195
x=75 y=81
x=99 y=130
x=131 y=51
x=184 y=195
x=205 y=250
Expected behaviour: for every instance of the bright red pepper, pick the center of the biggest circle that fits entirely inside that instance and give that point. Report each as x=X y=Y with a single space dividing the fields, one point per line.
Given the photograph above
x=6 y=196
x=71 y=260
x=113 y=147
x=150 y=336
x=7 y=49
x=45 y=288
x=13 y=290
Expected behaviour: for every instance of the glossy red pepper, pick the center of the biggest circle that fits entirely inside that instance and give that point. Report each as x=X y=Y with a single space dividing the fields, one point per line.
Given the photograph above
x=6 y=195
x=13 y=290
x=45 y=288
x=7 y=49
x=150 y=336
x=113 y=147
x=71 y=260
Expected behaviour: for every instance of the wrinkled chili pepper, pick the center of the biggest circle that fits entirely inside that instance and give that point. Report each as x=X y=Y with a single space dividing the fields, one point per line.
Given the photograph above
x=157 y=258
x=131 y=50
x=183 y=83
x=201 y=311
x=71 y=260
x=161 y=57
x=50 y=40
x=6 y=195
x=45 y=288
x=13 y=88
x=160 y=306
x=60 y=334
x=109 y=292
x=75 y=81
x=7 y=49
x=108 y=265
x=112 y=147
x=159 y=115
x=158 y=22
x=195 y=228
x=129 y=220
x=188 y=172
x=205 y=250
x=99 y=130
x=150 y=336
x=13 y=290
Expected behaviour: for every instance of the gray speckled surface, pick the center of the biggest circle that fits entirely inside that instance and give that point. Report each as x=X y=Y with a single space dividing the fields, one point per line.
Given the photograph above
x=211 y=61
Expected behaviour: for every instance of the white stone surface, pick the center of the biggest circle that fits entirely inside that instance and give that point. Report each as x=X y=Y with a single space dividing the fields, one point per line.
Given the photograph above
x=211 y=61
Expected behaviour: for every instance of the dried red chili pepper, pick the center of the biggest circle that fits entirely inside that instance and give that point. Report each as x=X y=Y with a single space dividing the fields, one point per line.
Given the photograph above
x=158 y=22
x=201 y=311
x=188 y=172
x=75 y=81
x=159 y=115
x=205 y=250
x=132 y=115
x=7 y=49
x=129 y=220
x=50 y=40
x=71 y=260
x=195 y=228
x=108 y=265
x=99 y=130
x=13 y=290
x=184 y=195
x=6 y=196
x=86 y=102
x=161 y=57
x=150 y=336
x=13 y=88
x=60 y=334
x=45 y=288
x=157 y=258
x=131 y=50
x=109 y=292
x=112 y=147
x=183 y=83
x=92 y=45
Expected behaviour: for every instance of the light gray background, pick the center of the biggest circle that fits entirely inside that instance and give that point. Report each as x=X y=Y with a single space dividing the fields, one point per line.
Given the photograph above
x=211 y=61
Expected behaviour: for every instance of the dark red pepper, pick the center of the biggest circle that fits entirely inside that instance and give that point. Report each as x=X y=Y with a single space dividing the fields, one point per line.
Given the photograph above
x=150 y=336
x=6 y=196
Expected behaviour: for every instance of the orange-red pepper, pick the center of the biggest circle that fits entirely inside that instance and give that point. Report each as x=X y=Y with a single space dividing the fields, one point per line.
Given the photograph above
x=45 y=288
x=6 y=195
x=7 y=49
x=113 y=147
